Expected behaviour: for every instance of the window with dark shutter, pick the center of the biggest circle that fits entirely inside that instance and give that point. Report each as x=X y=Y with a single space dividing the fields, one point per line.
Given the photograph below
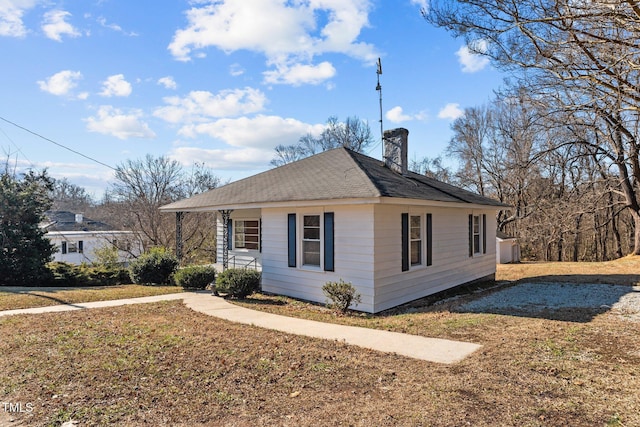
x=484 y=234
x=328 y=242
x=291 y=239
x=405 y=241
x=429 y=239
x=470 y=235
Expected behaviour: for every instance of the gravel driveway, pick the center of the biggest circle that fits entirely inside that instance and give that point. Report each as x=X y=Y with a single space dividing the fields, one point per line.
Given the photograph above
x=537 y=297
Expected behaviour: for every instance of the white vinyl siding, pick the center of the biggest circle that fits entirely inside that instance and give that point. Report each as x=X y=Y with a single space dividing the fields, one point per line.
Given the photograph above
x=353 y=248
x=451 y=265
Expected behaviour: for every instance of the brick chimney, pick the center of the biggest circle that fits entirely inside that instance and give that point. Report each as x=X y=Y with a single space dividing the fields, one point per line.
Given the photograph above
x=395 y=150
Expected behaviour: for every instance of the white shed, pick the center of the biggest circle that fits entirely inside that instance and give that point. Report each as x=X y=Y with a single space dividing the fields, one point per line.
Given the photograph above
x=395 y=235
x=507 y=249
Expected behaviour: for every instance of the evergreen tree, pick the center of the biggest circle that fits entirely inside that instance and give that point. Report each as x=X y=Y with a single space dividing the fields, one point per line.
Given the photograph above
x=24 y=251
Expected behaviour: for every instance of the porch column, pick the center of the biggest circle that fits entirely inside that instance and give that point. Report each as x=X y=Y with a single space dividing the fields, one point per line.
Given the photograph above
x=226 y=215
x=179 y=245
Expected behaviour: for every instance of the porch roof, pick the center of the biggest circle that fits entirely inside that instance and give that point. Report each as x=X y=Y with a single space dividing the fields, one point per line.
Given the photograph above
x=335 y=174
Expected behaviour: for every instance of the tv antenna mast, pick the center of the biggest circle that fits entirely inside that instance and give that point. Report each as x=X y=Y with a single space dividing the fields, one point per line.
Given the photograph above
x=379 y=89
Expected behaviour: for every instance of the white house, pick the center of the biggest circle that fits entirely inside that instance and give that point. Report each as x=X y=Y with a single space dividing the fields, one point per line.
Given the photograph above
x=394 y=234
x=76 y=238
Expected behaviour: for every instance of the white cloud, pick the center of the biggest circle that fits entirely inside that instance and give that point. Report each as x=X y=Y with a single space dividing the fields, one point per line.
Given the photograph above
x=112 y=121
x=168 y=82
x=55 y=25
x=397 y=115
x=116 y=85
x=203 y=105
x=115 y=27
x=61 y=83
x=450 y=111
x=299 y=74
x=236 y=70
x=223 y=159
x=258 y=132
x=11 y=12
x=289 y=34
x=473 y=62
x=422 y=4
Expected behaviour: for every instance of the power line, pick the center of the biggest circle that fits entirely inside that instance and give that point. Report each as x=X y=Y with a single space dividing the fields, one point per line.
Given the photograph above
x=56 y=143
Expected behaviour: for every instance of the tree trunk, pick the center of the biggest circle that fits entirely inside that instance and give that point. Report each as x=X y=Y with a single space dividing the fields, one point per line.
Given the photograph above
x=636 y=232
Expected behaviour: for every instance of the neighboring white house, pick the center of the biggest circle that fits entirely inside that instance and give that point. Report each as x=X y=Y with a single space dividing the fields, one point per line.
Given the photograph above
x=508 y=249
x=395 y=235
x=76 y=238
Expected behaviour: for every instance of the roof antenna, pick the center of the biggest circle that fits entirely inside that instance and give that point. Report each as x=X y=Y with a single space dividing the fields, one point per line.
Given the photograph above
x=379 y=89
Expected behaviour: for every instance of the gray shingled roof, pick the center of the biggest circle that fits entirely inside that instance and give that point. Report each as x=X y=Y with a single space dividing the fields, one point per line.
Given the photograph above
x=66 y=221
x=335 y=174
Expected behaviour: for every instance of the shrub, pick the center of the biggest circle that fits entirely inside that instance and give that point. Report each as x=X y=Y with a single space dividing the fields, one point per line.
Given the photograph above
x=153 y=267
x=340 y=295
x=195 y=276
x=100 y=275
x=238 y=282
x=66 y=274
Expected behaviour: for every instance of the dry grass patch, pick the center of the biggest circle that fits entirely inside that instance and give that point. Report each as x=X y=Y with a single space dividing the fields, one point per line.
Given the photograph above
x=162 y=364
x=623 y=271
x=15 y=298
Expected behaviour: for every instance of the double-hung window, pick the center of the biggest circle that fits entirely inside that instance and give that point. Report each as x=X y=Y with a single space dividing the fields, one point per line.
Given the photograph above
x=476 y=234
x=311 y=240
x=247 y=234
x=416 y=240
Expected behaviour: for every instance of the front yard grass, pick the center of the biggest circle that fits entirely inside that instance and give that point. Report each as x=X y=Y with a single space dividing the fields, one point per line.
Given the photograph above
x=15 y=298
x=163 y=364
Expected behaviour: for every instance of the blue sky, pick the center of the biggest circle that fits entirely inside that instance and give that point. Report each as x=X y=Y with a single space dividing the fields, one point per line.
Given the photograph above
x=220 y=82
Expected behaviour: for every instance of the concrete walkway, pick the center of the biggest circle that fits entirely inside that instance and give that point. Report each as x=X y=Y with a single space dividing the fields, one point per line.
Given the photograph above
x=417 y=347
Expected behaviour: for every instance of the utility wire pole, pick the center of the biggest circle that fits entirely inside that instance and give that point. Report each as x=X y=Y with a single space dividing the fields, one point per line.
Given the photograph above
x=379 y=89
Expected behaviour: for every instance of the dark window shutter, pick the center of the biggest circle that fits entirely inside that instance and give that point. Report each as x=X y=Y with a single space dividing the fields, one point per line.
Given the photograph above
x=80 y=246
x=64 y=247
x=328 y=242
x=230 y=234
x=405 y=241
x=484 y=234
x=429 y=239
x=291 y=240
x=470 y=235
x=260 y=234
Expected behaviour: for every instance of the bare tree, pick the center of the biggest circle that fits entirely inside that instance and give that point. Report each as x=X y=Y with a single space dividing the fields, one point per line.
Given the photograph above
x=67 y=196
x=433 y=168
x=582 y=57
x=143 y=185
x=353 y=133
